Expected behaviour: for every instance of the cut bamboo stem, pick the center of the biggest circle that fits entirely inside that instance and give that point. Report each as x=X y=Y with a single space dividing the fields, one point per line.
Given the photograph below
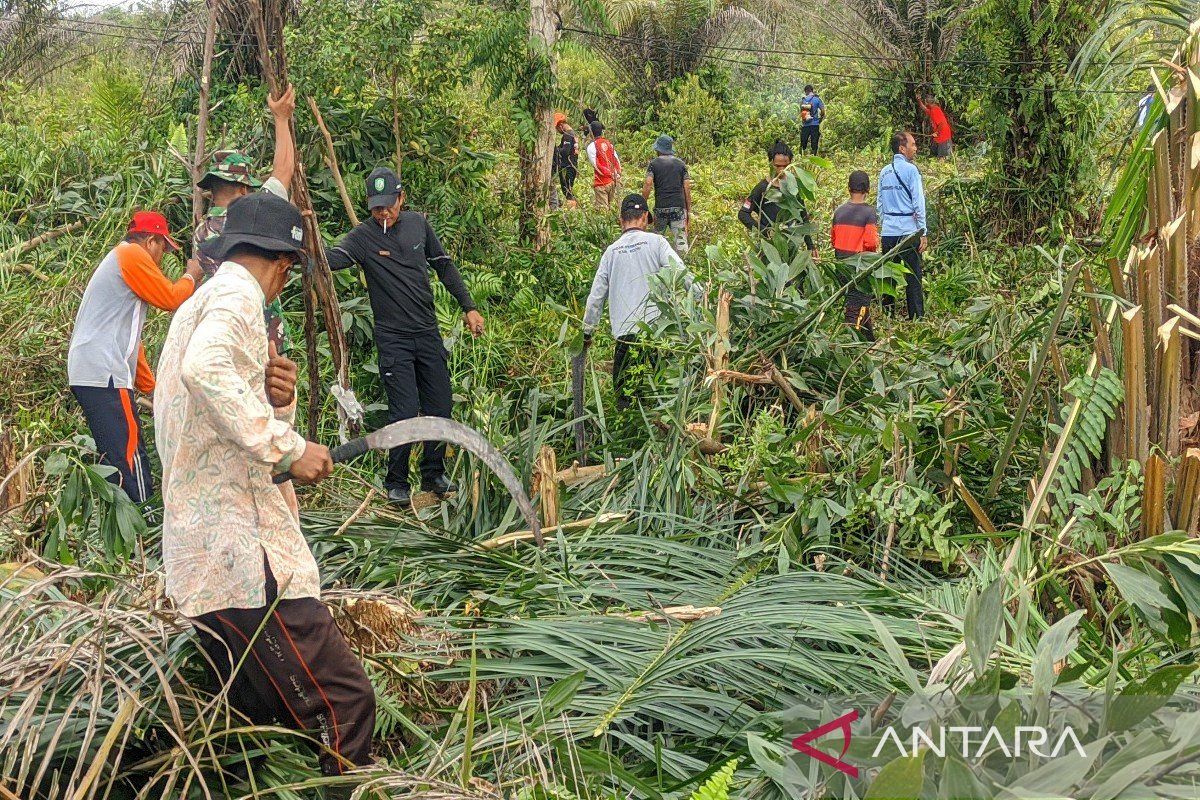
x=545 y=485
x=672 y=614
x=566 y=527
x=733 y=376
x=332 y=162
x=719 y=359
x=1137 y=424
x=1169 y=391
x=576 y=475
x=1185 y=503
x=1153 y=497
x=786 y=388
x=981 y=518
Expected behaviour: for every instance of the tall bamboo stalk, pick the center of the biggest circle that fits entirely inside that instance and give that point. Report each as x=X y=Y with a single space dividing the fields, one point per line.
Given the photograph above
x=268 y=29
x=210 y=39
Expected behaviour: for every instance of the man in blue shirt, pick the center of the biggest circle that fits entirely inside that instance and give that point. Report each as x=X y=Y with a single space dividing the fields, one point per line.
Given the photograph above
x=812 y=112
x=901 y=206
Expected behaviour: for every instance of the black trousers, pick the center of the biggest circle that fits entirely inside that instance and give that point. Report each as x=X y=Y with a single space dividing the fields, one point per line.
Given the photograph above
x=416 y=379
x=914 y=293
x=566 y=179
x=299 y=673
x=858 y=313
x=810 y=136
x=113 y=420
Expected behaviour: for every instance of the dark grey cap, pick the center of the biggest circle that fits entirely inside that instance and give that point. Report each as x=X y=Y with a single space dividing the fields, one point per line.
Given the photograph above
x=383 y=188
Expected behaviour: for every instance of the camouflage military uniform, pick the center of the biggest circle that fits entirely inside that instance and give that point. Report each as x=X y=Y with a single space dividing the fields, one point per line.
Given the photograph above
x=234 y=167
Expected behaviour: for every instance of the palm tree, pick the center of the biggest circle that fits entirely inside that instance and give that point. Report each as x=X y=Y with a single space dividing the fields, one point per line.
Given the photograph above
x=904 y=40
x=658 y=41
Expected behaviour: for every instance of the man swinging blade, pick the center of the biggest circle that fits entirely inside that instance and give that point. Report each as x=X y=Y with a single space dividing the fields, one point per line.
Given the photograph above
x=422 y=429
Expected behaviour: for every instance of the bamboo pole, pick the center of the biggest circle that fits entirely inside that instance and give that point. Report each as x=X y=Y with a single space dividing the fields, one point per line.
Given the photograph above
x=566 y=527
x=268 y=29
x=331 y=160
x=1153 y=497
x=210 y=38
x=981 y=517
x=1031 y=384
x=1137 y=427
x=1185 y=502
x=49 y=236
x=1167 y=409
x=786 y=388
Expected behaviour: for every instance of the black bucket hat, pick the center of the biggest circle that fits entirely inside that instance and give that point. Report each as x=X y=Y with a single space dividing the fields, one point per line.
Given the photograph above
x=263 y=220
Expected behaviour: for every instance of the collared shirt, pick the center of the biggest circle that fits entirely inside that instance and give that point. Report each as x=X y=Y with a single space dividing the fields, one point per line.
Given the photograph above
x=396 y=263
x=220 y=441
x=106 y=342
x=901 y=198
x=623 y=280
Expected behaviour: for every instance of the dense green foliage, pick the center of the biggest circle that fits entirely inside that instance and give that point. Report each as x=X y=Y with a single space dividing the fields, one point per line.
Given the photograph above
x=828 y=530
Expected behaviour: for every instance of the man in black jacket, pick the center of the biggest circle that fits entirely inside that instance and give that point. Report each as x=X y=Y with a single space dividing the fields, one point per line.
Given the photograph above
x=759 y=210
x=396 y=248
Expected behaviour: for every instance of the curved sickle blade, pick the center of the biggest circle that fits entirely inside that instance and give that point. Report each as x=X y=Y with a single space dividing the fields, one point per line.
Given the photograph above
x=424 y=429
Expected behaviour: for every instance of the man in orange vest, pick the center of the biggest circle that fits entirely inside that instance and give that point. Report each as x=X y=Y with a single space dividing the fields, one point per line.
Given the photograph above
x=606 y=166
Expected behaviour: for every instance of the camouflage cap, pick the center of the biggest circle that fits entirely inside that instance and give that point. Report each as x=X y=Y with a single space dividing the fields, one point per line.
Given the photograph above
x=231 y=166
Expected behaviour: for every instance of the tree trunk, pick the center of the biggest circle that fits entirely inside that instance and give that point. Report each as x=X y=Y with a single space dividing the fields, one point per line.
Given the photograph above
x=210 y=38
x=535 y=157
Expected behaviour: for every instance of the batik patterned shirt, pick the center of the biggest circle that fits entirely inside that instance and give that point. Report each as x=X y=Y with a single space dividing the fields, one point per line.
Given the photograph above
x=220 y=442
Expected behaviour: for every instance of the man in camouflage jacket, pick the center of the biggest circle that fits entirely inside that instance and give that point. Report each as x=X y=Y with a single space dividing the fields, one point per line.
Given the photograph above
x=231 y=177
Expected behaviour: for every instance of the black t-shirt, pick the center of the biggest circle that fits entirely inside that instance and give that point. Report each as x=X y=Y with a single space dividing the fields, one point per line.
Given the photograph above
x=669 y=173
x=396 y=264
x=567 y=152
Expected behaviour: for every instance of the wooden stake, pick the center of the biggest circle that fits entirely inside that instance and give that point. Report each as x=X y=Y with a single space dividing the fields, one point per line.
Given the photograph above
x=210 y=38
x=332 y=162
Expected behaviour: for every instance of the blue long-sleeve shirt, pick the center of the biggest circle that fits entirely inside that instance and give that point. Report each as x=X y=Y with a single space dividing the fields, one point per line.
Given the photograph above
x=816 y=110
x=901 y=202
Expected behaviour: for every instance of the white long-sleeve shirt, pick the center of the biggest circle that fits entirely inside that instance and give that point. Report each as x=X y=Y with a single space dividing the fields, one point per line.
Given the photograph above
x=623 y=280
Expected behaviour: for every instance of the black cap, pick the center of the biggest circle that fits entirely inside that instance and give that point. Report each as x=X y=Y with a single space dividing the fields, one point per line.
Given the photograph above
x=383 y=188
x=260 y=219
x=634 y=204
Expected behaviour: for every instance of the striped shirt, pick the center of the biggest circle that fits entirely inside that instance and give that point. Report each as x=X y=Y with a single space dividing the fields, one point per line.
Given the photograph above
x=855 y=229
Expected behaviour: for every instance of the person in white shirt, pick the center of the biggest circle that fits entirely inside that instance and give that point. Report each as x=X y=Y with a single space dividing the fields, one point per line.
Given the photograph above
x=623 y=281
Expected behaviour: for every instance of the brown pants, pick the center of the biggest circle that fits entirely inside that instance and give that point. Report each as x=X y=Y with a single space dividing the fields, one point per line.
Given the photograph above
x=300 y=673
x=605 y=195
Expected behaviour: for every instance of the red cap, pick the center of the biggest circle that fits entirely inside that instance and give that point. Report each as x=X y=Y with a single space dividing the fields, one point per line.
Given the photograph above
x=152 y=222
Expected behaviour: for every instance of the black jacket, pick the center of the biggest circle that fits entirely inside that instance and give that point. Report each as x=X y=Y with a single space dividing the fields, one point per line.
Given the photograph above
x=396 y=264
x=760 y=212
